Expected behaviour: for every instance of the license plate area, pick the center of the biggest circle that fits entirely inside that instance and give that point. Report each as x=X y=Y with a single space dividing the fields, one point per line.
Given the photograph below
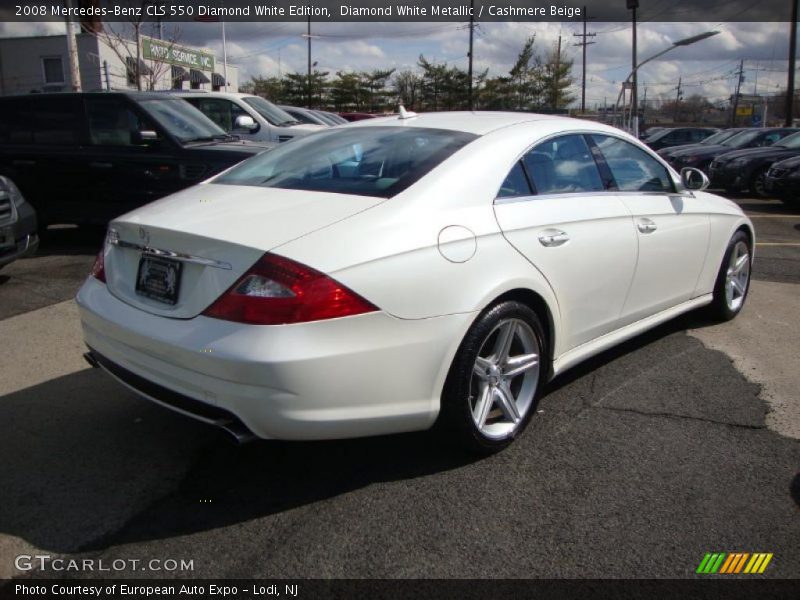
x=159 y=279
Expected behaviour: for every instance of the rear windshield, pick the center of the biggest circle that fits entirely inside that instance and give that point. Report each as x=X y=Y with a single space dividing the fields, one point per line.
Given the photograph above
x=366 y=161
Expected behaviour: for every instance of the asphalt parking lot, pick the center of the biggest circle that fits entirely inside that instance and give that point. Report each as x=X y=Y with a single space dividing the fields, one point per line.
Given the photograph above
x=682 y=441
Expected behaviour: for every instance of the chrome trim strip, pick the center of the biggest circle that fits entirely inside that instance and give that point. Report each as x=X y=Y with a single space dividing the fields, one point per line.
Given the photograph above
x=181 y=256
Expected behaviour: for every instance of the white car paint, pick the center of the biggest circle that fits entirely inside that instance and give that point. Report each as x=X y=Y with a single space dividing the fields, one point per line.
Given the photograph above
x=266 y=131
x=431 y=258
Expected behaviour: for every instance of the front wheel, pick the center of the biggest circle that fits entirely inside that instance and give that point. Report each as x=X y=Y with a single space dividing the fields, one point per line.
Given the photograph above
x=493 y=383
x=733 y=279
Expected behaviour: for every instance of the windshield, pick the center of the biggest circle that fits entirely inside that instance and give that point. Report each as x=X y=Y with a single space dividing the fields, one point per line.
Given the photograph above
x=718 y=138
x=273 y=114
x=367 y=161
x=790 y=141
x=182 y=120
x=741 y=139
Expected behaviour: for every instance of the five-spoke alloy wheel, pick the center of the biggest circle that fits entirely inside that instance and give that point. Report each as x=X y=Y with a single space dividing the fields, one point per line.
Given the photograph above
x=492 y=387
x=733 y=279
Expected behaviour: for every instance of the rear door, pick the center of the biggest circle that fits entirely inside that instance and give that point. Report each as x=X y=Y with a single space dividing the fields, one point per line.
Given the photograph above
x=553 y=207
x=672 y=228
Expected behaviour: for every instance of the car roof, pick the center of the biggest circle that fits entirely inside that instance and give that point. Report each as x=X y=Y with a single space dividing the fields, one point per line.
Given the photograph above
x=476 y=122
x=130 y=94
x=209 y=94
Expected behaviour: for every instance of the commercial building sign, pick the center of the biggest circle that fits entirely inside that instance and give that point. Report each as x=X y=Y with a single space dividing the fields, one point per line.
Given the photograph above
x=173 y=54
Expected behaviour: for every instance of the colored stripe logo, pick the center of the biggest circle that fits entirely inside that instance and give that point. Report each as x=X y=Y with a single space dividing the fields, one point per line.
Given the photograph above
x=734 y=563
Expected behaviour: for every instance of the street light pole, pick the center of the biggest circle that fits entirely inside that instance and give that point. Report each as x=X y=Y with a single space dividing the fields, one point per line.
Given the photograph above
x=684 y=42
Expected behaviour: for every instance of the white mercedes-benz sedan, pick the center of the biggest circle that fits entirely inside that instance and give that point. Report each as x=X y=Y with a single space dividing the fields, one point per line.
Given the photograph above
x=404 y=272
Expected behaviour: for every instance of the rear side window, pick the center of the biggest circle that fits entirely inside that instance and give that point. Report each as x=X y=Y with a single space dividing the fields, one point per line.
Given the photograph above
x=563 y=165
x=46 y=120
x=515 y=184
x=367 y=161
x=633 y=169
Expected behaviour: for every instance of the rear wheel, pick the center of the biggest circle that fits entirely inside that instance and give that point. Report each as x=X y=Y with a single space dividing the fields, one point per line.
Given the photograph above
x=733 y=279
x=492 y=388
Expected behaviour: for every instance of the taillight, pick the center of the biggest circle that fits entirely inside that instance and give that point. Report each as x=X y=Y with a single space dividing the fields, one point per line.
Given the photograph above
x=279 y=291
x=99 y=266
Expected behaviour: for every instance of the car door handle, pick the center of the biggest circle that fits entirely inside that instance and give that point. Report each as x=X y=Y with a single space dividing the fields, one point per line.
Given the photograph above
x=100 y=165
x=553 y=237
x=646 y=225
x=23 y=163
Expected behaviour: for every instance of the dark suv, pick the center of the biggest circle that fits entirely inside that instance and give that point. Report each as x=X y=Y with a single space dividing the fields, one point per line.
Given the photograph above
x=87 y=158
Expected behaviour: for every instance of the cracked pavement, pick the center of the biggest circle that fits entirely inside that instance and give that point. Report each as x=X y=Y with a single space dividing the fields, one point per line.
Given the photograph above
x=638 y=463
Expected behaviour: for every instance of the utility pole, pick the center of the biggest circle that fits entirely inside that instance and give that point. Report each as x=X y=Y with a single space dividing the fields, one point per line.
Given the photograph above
x=739 y=81
x=72 y=51
x=677 y=101
x=107 y=78
x=308 y=35
x=633 y=5
x=469 y=54
x=584 y=43
x=792 y=60
x=556 y=76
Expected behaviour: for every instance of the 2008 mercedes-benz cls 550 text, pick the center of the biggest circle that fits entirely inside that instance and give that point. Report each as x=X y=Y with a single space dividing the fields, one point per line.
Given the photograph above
x=407 y=271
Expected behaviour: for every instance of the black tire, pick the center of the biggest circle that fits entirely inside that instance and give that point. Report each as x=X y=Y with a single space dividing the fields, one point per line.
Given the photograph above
x=758 y=184
x=456 y=416
x=721 y=308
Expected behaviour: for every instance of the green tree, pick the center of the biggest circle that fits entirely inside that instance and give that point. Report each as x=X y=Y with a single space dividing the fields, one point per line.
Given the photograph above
x=556 y=78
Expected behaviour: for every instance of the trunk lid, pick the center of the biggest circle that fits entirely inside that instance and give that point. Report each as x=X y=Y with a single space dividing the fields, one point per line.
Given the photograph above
x=216 y=232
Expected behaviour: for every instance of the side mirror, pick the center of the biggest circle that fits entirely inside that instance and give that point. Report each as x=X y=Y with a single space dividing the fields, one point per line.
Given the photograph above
x=694 y=179
x=146 y=137
x=245 y=122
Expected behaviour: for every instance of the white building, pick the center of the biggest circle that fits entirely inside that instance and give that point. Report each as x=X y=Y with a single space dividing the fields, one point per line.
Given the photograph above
x=41 y=64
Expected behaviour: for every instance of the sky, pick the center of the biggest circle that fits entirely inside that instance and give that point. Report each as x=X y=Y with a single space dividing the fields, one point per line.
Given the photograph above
x=707 y=67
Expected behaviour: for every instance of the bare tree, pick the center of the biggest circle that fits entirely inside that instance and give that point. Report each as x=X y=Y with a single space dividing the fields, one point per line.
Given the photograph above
x=124 y=38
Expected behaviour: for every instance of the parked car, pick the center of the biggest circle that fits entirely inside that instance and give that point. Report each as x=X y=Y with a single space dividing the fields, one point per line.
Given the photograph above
x=783 y=180
x=305 y=115
x=18 y=231
x=675 y=136
x=312 y=307
x=700 y=158
x=250 y=117
x=717 y=138
x=86 y=158
x=336 y=119
x=747 y=169
x=356 y=116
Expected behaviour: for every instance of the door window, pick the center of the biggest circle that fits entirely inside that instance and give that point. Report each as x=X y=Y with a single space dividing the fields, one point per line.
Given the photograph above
x=113 y=123
x=222 y=112
x=563 y=165
x=633 y=169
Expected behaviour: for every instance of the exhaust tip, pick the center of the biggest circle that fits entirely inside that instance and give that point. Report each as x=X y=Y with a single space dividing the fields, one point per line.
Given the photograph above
x=89 y=358
x=238 y=433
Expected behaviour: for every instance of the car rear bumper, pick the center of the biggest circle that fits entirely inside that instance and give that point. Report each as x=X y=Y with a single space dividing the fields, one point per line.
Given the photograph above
x=366 y=375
